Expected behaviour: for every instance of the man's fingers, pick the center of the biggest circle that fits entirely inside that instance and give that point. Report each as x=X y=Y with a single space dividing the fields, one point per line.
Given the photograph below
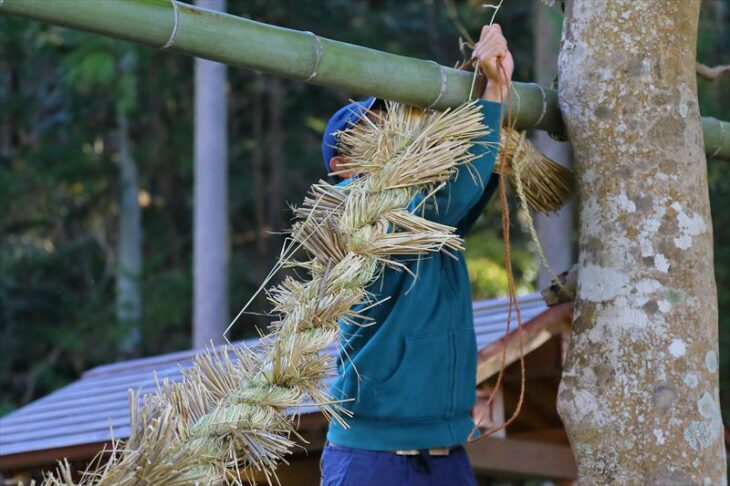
x=491 y=41
x=489 y=31
x=495 y=39
x=491 y=28
x=488 y=36
x=491 y=48
x=498 y=49
x=485 y=32
x=498 y=43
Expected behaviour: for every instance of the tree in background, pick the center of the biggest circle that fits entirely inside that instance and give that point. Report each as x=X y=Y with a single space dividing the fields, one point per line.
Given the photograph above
x=210 y=205
x=639 y=394
x=62 y=94
x=129 y=241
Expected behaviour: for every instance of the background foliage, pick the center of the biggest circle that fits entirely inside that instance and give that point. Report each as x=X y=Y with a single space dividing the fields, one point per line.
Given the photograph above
x=60 y=91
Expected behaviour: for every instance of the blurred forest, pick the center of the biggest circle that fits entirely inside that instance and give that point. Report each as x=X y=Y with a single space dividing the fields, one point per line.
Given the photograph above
x=62 y=152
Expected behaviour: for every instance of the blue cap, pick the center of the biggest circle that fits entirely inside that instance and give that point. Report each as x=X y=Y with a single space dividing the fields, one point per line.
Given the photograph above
x=344 y=118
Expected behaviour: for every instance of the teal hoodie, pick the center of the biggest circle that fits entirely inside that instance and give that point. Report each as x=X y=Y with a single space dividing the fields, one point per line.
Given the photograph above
x=409 y=378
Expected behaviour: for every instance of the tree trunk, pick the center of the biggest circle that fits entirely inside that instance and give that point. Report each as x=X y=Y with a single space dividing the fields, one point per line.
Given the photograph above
x=129 y=250
x=6 y=91
x=211 y=199
x=555 y=230
x=639 y=395
x=276 y=154
x=257 y=169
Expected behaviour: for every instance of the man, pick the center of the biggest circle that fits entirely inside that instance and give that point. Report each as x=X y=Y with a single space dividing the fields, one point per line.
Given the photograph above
x=410 y=376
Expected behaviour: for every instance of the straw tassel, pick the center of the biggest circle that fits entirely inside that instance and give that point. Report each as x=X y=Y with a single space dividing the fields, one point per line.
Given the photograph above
x=547 y=184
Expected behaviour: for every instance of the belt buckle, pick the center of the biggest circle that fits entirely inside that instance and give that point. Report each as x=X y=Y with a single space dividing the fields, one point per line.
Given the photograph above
x=439 y=451
x=434 y=451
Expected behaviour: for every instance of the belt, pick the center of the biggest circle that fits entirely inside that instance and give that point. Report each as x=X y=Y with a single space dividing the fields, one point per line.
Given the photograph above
x=434 y=451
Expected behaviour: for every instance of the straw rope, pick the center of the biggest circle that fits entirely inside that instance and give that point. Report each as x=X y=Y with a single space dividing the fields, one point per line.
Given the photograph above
x=233 y=416
x=234 y=413
x=518 y=166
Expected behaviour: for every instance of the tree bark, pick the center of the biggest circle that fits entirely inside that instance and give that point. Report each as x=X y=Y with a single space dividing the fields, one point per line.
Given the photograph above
x=210 y=199
x=129 y=246
x=639 y=395
x=555 y=230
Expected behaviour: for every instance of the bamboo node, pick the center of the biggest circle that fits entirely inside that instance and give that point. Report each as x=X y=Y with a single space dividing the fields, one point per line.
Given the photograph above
x=318 y=54
x=442 y=88
x=175 y=26
x=543 y=98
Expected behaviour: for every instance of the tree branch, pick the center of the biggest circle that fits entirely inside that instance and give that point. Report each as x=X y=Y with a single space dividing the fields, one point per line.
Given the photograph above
x=712 y=73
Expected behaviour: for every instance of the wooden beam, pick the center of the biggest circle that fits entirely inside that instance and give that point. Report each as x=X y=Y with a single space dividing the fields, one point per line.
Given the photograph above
x=521 y=459
x=48 y=457
x=535 y=333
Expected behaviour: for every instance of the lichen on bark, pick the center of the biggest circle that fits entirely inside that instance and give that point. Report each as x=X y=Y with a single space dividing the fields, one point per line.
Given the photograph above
x=638 y=397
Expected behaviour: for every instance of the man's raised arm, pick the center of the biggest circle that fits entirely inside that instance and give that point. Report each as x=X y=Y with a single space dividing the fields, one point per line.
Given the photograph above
x=456 y=200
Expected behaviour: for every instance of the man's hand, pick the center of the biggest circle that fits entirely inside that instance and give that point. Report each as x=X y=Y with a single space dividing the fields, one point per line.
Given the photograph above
x=496 y=62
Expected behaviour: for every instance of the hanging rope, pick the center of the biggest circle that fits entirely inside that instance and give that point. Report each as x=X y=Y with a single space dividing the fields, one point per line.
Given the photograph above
x=503 y=159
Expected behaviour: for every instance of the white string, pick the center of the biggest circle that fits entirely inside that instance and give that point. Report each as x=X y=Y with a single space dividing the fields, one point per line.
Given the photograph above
x=319 y=50
x=175 y=26
x=444 y=81
x=474 y=81
x=496 y=10
x=476 y=68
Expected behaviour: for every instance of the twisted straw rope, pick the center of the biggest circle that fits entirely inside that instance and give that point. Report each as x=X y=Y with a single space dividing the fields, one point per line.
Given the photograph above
x=235 y=411
x=518 y=167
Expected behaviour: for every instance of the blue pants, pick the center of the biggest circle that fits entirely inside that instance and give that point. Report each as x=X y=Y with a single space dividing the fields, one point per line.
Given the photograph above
x=343 y=466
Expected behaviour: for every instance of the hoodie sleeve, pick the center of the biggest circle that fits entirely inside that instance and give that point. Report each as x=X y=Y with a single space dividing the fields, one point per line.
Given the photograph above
x=463 y=197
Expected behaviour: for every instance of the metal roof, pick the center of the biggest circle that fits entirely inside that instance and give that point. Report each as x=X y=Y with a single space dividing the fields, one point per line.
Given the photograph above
x=86 y=411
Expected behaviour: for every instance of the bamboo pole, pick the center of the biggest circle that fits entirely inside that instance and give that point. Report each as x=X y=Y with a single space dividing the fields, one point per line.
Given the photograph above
x=303 y=56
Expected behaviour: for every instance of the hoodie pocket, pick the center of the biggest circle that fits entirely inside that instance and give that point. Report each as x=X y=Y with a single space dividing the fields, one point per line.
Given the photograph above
x=465 y=371
x=422 y=385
